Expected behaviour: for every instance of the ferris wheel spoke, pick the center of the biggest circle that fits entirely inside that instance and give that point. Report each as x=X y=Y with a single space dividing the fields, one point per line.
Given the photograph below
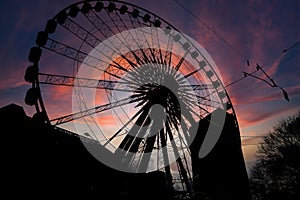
x=163 y=140
x=91 y=111
x=133 y=138
x=98 y=23
x=94 y=19
x=150 y=141
x=88 y=38
x=82 y=57
x=76 y=55
x=135 y=131
x=187 y=136
x=209 y=102
x=156 y=42
x=202 y=99
x=61 y=80
x=157 y=57
x=137 y=41
x=156 y=51
x=125 y=125
x=189 y=74
x=184 y=146
x=178 y=65
x=145 y=56
x=173 y=144
x=138 y=60
x=182 y=170
x=168 y=54
x=188 y=111
x=189 y=107
x=80 y=32
x=201 y=87
x=52 y=79
x=146 y=156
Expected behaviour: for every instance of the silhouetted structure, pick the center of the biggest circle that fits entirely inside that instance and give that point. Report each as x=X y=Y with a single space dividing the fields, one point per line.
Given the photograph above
x=222 y=174
x=41 y=162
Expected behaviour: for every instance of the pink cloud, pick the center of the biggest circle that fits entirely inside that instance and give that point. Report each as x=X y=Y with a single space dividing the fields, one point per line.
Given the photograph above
x=12 y=75
x=248 y=117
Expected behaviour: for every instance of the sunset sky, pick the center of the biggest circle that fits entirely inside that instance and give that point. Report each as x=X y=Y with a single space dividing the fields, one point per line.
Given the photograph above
x=253 y=30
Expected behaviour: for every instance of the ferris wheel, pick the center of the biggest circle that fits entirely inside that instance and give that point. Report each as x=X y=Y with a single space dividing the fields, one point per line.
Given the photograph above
x=134 y=83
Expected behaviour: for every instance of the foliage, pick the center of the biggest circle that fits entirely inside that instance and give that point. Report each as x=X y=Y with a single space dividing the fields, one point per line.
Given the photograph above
x=276 y=175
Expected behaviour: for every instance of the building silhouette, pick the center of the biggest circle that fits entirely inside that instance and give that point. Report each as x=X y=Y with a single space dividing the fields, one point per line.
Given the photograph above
x=222 y=173
x=42 y=162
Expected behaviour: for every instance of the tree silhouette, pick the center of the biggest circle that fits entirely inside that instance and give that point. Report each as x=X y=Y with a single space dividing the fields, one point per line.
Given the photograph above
x=276 y=174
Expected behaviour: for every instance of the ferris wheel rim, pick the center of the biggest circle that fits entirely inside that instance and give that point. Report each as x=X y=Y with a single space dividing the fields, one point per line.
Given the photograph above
x=36 y=84
x=135 y=6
